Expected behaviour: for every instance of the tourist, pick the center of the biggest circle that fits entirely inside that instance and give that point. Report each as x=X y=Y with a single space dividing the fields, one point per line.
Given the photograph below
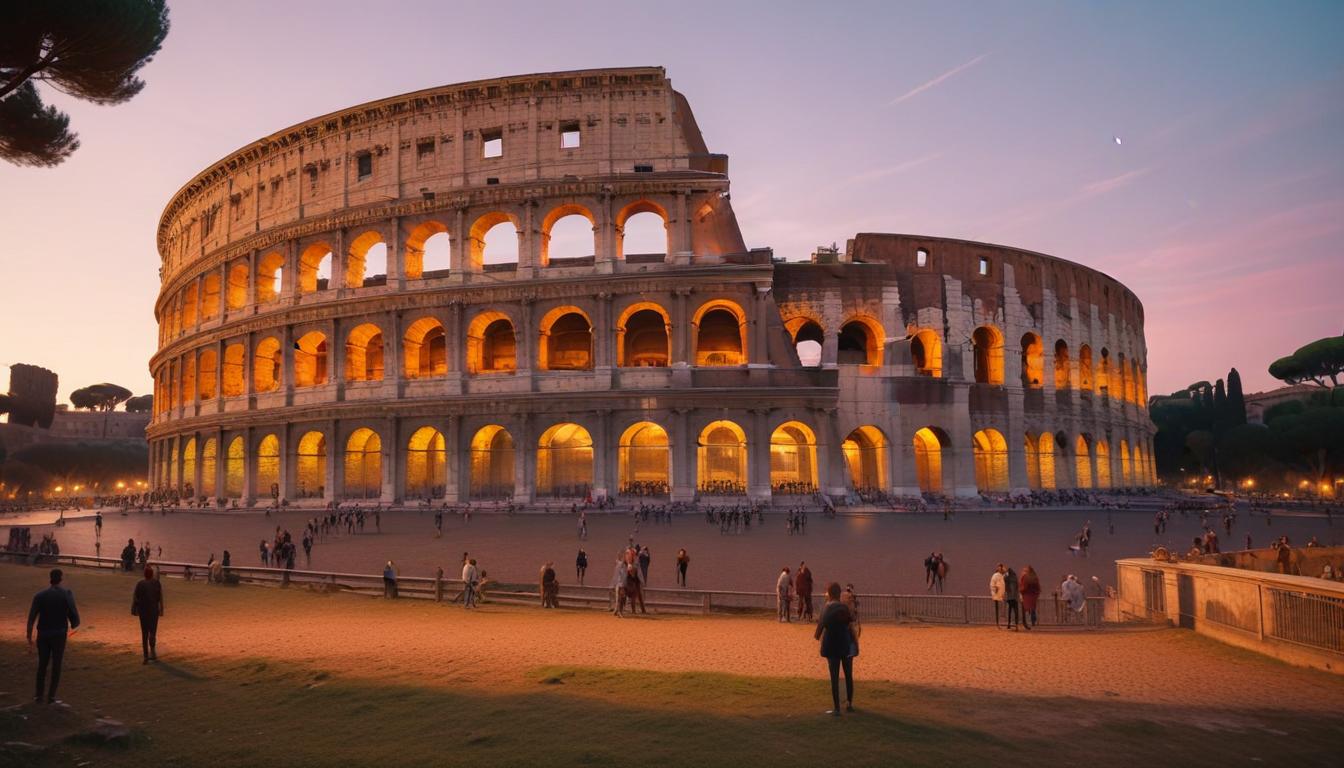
x=1284 y=557
x=265 y=549
x=53 y=610
x=583 y=525
x=940 y=572
x=581 y=565
x=1010 y=597
x=147 y=603
x=1030 y=587
x=851 y=600
x=634 y=588
x=683 y=560
x=783 y=596
x=930 y=571
x=390 y=581
x=1196 y=549
x=802 y=584
x=644 y=559
x=1074 y=595
x=618 y=584
x=469 y=581
x=128 y=555
x=550 y=588
x=996 y=591
x=838 y=647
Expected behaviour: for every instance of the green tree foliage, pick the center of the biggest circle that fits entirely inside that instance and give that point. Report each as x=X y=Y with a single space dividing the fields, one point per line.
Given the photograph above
x=1311 y=441
x=100 y=397
x=1321 y=363
x=89 y=49
x=140 y=404
x=1246 y=450
x=85 y=462
x=1236 y=401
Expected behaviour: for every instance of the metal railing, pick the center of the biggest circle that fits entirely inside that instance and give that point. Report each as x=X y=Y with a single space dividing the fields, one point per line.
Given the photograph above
x=1316 y=621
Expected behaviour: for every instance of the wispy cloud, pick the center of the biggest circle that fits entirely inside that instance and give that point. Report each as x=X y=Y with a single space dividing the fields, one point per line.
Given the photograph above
x=880 y=173
x=1115 y=182
x=913 y=92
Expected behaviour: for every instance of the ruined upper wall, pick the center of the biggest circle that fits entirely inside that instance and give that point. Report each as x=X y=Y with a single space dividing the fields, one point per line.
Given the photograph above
x=433 y=141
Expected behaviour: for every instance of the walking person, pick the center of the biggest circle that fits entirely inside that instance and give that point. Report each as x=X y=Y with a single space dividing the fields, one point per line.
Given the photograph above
x=53 y=610
x=996 y=591
x=147 y=603
x=390 y=581
x=838 y=647
x=1030 y=586
x=1011 y=594
x=802 y=585
x=469 y=580
x=683 y=560
x=581 y=565
x=783 y=594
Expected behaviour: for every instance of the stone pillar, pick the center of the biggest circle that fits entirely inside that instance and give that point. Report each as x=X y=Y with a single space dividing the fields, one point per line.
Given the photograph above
x=681 y=449
x=758 y=321
x=603 y=340
x=456 y=333
x=393 y=471
x=681 y=327
x=286 y=472
x=526 y=338
x=336 y=352
x=680 y=248
x=219 y=376
x=529 y=242
x=603 y=453
x=334 y=472
x=758 y=455
x=459 y=245
x=251 y=281
x=249 y=468
x=962 y=458
x=604 y=236
x=525 y=461
x=1018 y=476
x=831 y=469
x=396 y=253
x=287 y=365
x=455 y=450
x=392 y=355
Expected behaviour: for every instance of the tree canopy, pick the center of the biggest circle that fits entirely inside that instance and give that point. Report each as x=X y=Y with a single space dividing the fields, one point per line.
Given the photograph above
x=89 y=49
x=100 y=397
x=1321 y=363
x=140 y=404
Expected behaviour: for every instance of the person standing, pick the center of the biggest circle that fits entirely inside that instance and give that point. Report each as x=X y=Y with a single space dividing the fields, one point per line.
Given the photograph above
x=802 y=584
x=128 y=555
x=634 y=588
x=1011 y=593
x=1030 y=586
x=581 y=565
x=550 y=588
x=469 y=580
x=53 y=610
x=996 y=591
x=147 y=603
x=838 y=647
x=683 y=560
x=783 y=588
x=1074 y=595
x=390 y=581
x=618 y=584
x=644 y=559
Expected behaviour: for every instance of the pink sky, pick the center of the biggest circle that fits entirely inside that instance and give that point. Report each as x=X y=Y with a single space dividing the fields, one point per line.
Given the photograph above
x=1222 y=208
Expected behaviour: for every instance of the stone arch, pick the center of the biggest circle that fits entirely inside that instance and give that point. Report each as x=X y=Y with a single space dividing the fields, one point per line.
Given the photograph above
x=720 y=333
x=1063 y=380
x=929 y=443
x=565 y=342
x=1033 y=361
x=1042 y=470
x=235 y=361
x=310 y=466
x=310 y=360
x=424 y=349
x=210 y=295
x=190 y=298
x=926 y=352
x=266 y=474
x=1126 y=468
x=480 y=228
x=1103 y=374
x=270 y=277
x=364 y=353
x=235 y=295
x=207 y=371
x=367 y=251
x=565 y=461
x=722 y=458
x=644 y=336
x=861 y=340
x=642 y=206
x=1085 y=382
x=555 y=216
x=189 y=468
x=491 y=344
x=991 y=460
x=1082 y=457
x=188 y=390
x=987 y=343
x=1103 y=451
x=793 y=459
x=422 y=258
x=315 y=268
x=645 y=460
x=363 y=464
x=865 y=451
x=426 y=464
x=209 y=467
x=267 y=363
x=492 y=456
x=235 y=465
x=808 y=339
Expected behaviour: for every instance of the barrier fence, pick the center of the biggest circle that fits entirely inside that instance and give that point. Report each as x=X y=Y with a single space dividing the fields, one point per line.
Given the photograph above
x=934 y=609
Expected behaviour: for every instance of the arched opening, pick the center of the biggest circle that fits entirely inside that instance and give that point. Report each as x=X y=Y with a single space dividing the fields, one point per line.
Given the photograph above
x=310 y=360
x=1033 y=362
x=1045 y=461
x=566 y=341
x=270 y=277
x=865 y=452
x=1132 y=384
x=926 y=351
x=1103 y=450
x=235 y=358
x=491 y=347
x=424 y=349
x=494 y=240
x=210 y=296
x=492 y=457
x=641 y=230
x=720 y=334
x=209 y=466
x=642 y=338
x=645 y=460
x=236 y=295
x=1082 y=458
x=929 y=459
x=793 y=459
x=988 y=345
x=1141 y=382
x=235 y=464
x=364 y=353
x=722 y=459
x=173 y=463
x=315 y=268
x=366 y=262
x=860 y=342
x=190 y=296
x=426 y=465
x=428 y=251
x=189 y=468
x=310 y=466
x=1085 y=368
x=188 y=390
x=1126 y=468
x=991 y=460
x=568 y=235
x=808 y=338
x=363 y=465
x=565 y=462
x=207 y=372
x=1061 y=365
x=1104 y=373
x=268 y=468
x=267 y=362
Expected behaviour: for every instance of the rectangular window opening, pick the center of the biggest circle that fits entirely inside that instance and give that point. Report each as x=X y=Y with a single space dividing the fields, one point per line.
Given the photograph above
x=984 y=267
x=424 y=150
x=492 y=143
x=643 y=169
x=364 y=166
x=569 y=135
x=921 y=258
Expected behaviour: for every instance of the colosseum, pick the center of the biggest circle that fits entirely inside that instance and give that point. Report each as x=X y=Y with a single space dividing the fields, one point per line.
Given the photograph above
x=333 y=325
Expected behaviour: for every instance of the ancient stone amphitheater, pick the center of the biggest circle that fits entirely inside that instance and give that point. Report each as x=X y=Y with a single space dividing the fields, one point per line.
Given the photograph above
x=340 y=318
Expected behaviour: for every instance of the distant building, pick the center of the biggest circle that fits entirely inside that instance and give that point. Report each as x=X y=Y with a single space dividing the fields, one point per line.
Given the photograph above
x=1259 y=402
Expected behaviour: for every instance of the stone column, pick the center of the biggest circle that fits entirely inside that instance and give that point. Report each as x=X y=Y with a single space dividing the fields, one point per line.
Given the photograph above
x=453 y=465
x=525 y=462
x=682 y=452
x=219 y=376
x=680 y=248
x=459 y=245
x=286 y=470
x=603 y=453
x=336 y=356
x=393 y=470
x=287 y=365
x=831 y=470
x=962 y=458
x=604 y=236
x=681 y=327
x=529 y=242
x=758 y=321
x=396 y=255
x=392 y=355
x=251 y=280
x=603 y=341
x=758 y=455
x=249 y=468
x=334 y=472
x=456 y=333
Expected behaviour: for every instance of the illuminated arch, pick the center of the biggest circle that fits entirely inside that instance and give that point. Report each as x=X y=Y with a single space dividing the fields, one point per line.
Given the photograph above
x=310 y=360
x=207 y=372
x=364 y=353
x=643 y=336
x=566 y=340
x=554 y=216
x=418 y=243
x=645 y=459
x=638 y=207
x=236 y=293
x=1082 y=458
x=310 y=466
x=189 y=468
x=270 y=277
x=1033 y=361
x=357 y=259
x=1103 y=373
x=865 y=452
x=1042 y=469
x=190 y=297
x=235 y=464
x=491 y=345
x=722 y=458
x=267 y=363
x=189 y=388
x=363 y=465
x=315 y=268
x=808 y=339
x=424 y=349
x=235 y=361
x=1062 y=373
x=210 y=296
x=720 y=333
x=926 y=352
x=479 y=228
x=1132 y=388
x=1085 y=368
x=793 y=458
x=209 y=466
x=987 y=342
x=1103 y=451
x=929 y=443
x=860 y=342
x=991 y=460
x=268 y=467
x=1126 y=467
x=174 y=460
x=426 y=465
x=492 y=456
x=565 y=461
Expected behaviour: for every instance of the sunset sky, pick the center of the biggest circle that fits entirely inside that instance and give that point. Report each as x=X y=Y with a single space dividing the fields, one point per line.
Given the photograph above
x=1222 y=206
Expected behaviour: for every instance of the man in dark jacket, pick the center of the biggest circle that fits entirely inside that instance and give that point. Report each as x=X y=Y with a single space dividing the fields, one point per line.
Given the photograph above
x=802 y=584
x=128 y=555
x=147 y=603
x=53 y=612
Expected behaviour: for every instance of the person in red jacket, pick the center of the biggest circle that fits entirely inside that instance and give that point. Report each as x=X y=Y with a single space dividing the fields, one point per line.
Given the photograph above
x=1030 y=586
x=802 y=585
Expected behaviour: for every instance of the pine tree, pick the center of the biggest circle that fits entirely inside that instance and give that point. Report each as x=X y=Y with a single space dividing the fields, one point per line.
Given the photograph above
x=1236 y=402
x=1219 y=405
